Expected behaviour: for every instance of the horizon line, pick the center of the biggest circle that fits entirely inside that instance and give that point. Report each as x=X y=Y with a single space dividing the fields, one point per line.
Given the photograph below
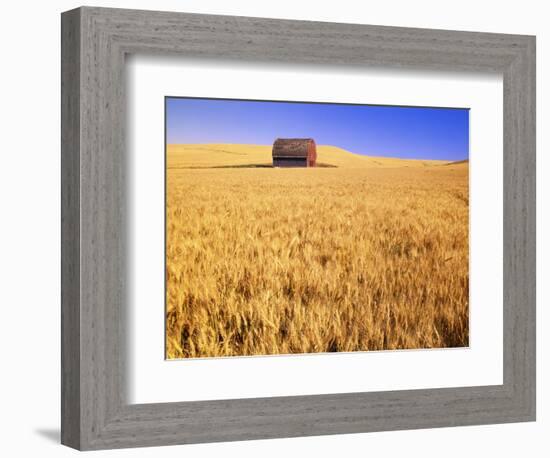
x=467 y=159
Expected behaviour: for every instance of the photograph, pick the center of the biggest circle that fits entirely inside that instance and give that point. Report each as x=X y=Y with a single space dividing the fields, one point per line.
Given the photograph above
x=306 y=227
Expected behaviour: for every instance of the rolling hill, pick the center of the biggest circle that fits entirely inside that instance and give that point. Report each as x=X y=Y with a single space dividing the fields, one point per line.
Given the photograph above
x=235 y=155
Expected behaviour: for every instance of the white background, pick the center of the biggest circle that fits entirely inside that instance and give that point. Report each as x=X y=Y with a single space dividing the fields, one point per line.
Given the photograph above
x=29 y=233
x=155 y=380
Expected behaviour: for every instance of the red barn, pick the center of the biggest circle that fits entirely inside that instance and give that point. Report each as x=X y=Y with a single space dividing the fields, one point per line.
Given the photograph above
x=294 y=152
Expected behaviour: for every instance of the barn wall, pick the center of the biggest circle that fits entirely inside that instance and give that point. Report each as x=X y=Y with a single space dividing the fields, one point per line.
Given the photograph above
x=312 y=154
x=289 y=162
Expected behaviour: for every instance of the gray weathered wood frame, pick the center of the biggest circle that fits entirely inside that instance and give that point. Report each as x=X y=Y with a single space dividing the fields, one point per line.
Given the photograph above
x=95 y=413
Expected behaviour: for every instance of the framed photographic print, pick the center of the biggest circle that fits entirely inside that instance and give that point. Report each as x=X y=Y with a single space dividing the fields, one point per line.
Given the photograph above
x=283 y=245
x=287 y=228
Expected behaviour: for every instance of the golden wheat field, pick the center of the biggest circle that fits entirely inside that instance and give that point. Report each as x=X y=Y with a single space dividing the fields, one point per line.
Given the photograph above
x=369 y=254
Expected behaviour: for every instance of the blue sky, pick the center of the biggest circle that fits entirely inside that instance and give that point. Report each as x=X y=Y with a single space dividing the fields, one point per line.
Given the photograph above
x=375 y=130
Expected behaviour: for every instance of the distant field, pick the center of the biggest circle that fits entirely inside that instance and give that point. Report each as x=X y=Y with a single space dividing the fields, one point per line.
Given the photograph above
x=369 y=254
x=207 y=156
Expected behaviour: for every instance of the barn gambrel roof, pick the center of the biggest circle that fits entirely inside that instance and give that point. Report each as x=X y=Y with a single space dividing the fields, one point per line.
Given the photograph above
x=292 y=147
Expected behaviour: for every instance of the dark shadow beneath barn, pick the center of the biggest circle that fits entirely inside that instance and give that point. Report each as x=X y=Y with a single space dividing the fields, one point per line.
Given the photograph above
x=243 y=166
x=247 y=166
